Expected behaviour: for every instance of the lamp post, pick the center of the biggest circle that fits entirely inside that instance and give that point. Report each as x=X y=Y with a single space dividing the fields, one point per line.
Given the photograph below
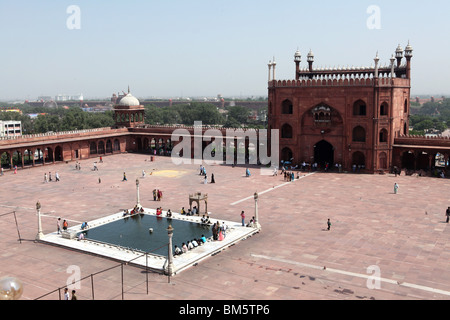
x=39 y=235
x=138 y=202
x=169 y=262
x=256 y=196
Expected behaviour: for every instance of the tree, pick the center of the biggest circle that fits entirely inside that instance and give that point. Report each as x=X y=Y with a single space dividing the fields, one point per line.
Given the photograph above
x=239 y=114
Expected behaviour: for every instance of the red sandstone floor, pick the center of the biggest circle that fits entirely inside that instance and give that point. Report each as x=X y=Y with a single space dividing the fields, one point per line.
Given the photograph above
x=403 y=235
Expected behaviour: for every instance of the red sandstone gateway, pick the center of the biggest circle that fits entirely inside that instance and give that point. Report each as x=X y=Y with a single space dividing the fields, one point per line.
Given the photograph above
x=349 y=116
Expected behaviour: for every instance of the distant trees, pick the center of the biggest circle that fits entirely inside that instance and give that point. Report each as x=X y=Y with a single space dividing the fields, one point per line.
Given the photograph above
x=432 y=116
x=208 y=114
x=74 y=118
x=56 y=120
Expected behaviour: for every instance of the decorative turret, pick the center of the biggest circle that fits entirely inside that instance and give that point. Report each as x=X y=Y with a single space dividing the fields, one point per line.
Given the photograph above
x=392 y=66
x=408 y=56
x=377 y=60
x=408 y=51
x=399 y=55
x=297 y=60
x=128 y=111
x=310 y=60
x=274 y=65
x=270 y=68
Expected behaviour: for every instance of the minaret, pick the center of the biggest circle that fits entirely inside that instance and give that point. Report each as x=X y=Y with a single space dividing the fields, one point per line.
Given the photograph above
x=297 y=60
x=377 y=60
x=310 y=60
x=270 y=68
x=392 y=67
x=399 y=55
x=273 y=65
x=408 y=56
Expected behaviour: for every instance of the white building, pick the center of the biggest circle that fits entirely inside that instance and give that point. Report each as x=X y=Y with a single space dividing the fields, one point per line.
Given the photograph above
x=10 y=128
x=65 y=97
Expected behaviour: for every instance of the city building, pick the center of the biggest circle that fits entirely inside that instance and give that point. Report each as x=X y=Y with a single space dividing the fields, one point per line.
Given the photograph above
x=10 y=128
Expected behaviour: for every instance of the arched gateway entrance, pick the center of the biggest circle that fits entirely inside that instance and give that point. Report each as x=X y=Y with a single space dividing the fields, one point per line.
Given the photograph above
x=323 y=153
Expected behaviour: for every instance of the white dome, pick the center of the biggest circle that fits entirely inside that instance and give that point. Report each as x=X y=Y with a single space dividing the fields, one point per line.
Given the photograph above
x=129 y=101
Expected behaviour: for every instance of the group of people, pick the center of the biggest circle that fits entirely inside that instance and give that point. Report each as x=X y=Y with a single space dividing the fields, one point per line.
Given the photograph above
x=157 y=195
x=135 y=210
x=219 y=231
x=159 y=212
x=190 y=212
x=65 y=225
x=205 y=220
x=203 y=173
x=290 y=176
x=48 y=178
x=189 y=245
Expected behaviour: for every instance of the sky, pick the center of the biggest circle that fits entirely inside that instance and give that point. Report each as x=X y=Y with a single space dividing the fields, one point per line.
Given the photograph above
x=202 y=48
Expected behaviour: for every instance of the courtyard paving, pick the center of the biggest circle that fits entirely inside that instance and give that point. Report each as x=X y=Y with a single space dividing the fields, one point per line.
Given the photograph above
x=402 y=236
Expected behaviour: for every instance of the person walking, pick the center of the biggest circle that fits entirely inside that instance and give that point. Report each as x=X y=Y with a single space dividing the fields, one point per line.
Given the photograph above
x=395 y=188
x=329 y=225
x=56 y=176
x=447 y=213
x=58 y=225
x=74 y=296
x=124 y=177
x=66 y=294
x=243 y=218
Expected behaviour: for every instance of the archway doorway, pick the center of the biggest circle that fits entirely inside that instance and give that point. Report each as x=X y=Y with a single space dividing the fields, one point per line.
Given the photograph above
x=408 y=160
x=323 y=154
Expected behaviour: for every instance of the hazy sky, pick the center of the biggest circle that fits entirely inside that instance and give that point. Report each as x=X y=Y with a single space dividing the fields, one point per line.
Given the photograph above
x=204 y=48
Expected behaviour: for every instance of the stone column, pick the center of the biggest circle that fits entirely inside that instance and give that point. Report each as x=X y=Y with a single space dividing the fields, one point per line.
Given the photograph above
x=39 y=235
x=138 y=202
x=169 y=264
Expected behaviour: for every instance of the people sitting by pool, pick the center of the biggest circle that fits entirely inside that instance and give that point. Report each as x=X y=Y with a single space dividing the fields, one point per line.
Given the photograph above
x=81 y=236
x=84 y=225
x=183 y=211
x=251 y=223
x=159 y=211
x=203 y=238
x=190 y=246
x=194 y=210
x=247 y=173
x=194 y=243
x=169 y=214
x=177 y=251
x=125 y=212
x=184 y=248
x=142 y=210
x=205 y=220
x=189 y=212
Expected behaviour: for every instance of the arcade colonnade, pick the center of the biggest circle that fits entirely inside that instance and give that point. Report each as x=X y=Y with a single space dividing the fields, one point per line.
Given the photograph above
x=44 y=149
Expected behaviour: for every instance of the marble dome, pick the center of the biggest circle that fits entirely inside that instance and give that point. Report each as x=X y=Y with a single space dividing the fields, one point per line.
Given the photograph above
x=129 y=101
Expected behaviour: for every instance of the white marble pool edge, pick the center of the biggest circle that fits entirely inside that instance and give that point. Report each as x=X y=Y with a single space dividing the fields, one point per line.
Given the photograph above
x=235 y=233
